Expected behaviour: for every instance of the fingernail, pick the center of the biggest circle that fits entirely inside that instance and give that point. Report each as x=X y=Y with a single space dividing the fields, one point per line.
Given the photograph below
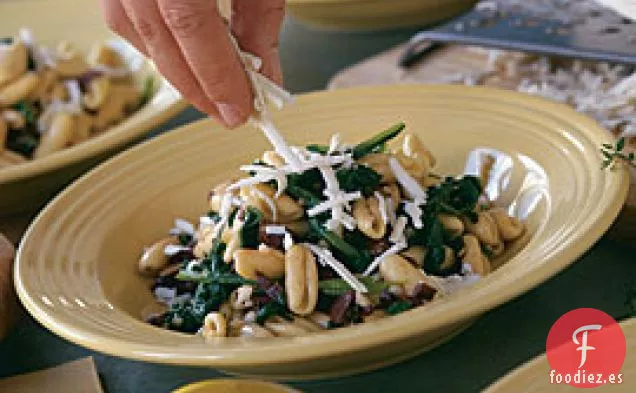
x=230 y=114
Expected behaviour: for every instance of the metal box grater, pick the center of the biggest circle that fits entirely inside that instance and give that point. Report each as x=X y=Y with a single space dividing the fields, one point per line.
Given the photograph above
x=572 y=28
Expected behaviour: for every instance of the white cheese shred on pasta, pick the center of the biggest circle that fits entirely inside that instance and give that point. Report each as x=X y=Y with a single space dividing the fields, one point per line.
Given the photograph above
x=182 y=226
x=414 y=210
x=394 y=249
x=250 y=181
x=269 y=201
x=411 y=187
x=205 y=221
x=224 y=213
x=337 y=201
x=397 y=234
x=391 y=212
x=382 y=206
x=279 y=230
x=325 y=257
x=264 y=172
x=334 y=144
x=173 y=249
x=288 y=241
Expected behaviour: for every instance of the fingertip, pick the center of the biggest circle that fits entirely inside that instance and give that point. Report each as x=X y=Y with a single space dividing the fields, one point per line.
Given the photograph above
x=232 y=114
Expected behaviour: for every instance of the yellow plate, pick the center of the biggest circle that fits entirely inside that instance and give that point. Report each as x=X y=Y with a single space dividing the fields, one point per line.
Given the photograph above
x=534 y=376
x=234 y=386
x=375 y=14
x=75 y=269
x=26 y=187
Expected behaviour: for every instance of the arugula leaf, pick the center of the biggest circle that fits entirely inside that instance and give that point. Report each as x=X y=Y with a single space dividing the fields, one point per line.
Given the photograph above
x=184 y=239
x=213 y=261
x=22 y=142
x=345 y=252
x=620 y=145
x=337 y=286
x=434 y=261
x=308 y=198
x=368 y=146
x=212 y=291
x=615 y=154
x=219 y=278
x=272 y=309
x=320 y=149
x=147 y=92
x=398 y=306
x=248 y=235
x=359 y=178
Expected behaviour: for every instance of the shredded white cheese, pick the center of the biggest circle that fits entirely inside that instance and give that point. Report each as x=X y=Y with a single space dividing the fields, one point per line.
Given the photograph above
x=224 y=213
x=269 y=201
x=397 y=234
x=391 y=211
x=205 y=221
x=334 y=144
x=275 y=230
x=173 y=249
x=394 y=249
x=337 y=200
x=414 y=210
x=288 y=241
x=410 y=186
x=182 y=226
x=325 y=258
x=382 y=206
x=264 y=172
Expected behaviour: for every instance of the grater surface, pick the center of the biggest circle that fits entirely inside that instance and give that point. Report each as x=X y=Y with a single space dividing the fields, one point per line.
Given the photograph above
x=572 y=28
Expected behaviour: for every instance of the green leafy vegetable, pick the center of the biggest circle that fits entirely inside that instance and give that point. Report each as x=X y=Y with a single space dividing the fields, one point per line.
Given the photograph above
x=213 y=289
x=377 y=141
x=398 y=306
x=345 y=252
x=147 y=92
x=272 y=309
x=337 y=286
x=249 y=232
x=458 y=197
x=22 y=142
x=306 y=186
x=184 y=239
x=219 y=278
x=359 y=178
x=434 y=261
x=616 y=154
x=320 y=149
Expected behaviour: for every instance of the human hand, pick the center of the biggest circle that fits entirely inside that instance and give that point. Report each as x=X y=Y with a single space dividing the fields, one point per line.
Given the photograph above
x=188 y=41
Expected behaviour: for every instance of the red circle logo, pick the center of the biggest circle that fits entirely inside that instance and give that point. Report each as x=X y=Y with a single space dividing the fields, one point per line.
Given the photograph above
x=586 y=348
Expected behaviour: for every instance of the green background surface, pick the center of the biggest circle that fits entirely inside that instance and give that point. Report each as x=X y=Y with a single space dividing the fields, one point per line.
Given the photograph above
x=498 y=342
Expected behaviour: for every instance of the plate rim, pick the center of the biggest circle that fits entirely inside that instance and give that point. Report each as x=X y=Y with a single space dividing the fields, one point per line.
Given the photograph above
x=234 y=357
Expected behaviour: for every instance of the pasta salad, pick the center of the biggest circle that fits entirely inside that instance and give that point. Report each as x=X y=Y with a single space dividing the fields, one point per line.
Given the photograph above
x=51 y=99
x=348 y=234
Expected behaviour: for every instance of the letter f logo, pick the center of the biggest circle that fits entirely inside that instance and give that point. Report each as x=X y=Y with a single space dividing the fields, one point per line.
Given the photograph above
x=584 y=347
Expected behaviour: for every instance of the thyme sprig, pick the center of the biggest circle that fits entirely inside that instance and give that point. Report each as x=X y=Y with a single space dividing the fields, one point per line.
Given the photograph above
x=614 y=154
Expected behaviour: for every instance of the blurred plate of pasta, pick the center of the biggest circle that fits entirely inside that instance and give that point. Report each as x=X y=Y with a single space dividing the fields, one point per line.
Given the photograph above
x=546 y=172
x=71 y=95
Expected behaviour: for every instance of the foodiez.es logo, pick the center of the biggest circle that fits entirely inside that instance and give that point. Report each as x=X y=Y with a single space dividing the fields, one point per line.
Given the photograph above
x=586 y=348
